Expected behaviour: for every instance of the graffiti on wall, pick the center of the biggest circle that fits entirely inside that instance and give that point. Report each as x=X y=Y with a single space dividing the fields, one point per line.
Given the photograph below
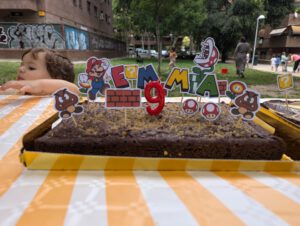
x=22 y=36
x=102 y=43
x=3 y=36
x=76 y=39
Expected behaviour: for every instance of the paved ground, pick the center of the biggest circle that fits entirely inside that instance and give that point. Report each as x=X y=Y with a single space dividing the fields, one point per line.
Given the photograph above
x=267 y=67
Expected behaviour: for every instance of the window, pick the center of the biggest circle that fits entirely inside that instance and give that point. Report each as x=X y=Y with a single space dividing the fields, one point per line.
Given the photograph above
x=74 y=2
x=96 y=11
x=80 y=4
x=101 y=17
x=88 y=5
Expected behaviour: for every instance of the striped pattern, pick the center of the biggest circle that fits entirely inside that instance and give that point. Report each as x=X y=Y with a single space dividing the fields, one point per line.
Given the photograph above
x=38 y=160
x=77 y=197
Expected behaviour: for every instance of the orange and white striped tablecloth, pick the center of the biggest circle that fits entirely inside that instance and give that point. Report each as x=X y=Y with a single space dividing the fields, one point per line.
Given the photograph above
x=129 y=198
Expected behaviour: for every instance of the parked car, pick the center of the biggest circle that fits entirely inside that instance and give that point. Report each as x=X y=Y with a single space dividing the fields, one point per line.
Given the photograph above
x=165 y=53
x=142 y=53
x=153 y=53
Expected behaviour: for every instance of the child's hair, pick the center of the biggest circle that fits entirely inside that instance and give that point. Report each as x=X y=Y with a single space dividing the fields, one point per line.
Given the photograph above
x=58 y=66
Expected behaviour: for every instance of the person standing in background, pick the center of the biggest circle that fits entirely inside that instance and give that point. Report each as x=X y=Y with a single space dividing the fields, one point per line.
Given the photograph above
x=277 y=62
x=172 y=56
x=247 y=59
x=296 y=59
x=273 y=63
x=284 y=62
x=240 y=55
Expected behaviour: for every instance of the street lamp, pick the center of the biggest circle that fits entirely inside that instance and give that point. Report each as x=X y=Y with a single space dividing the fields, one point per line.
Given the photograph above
x=261 y=17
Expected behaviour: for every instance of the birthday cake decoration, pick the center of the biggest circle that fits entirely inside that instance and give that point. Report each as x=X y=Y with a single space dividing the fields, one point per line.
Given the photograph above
x=123 y=85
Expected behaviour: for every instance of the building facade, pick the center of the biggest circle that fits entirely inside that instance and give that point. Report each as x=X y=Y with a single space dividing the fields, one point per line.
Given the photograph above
x=80 y=28
x=285 y=38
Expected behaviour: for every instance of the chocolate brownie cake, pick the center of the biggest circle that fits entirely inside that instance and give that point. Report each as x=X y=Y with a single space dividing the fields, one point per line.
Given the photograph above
x=101 y=131
x=290 y=112
x=288 y=128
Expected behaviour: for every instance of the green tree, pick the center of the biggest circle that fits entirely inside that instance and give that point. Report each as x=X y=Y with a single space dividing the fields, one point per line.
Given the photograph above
x=159 y=17
x=227 y=21
x=122 y=19
x=277 y=10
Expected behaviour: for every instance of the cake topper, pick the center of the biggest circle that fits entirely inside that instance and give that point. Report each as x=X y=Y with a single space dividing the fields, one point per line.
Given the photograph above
x=97 y=77
x=284 y=83
x=235 y=88
x=178 y=77
x=190 y=107
x=66 y=103
x=83 y=83
x=208 y=56
x=246 y=104
x=123 y=98
x=158 y=99
x=210 y=111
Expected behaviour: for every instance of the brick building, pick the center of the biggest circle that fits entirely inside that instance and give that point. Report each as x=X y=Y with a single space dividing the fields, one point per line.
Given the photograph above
x=284 y=38
x=80 y=28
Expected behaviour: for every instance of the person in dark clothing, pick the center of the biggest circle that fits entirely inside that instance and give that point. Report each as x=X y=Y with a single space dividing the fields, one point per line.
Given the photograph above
x=240 y=55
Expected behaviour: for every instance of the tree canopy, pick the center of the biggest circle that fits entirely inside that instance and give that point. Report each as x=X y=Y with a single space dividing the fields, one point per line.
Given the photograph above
x=224 y=20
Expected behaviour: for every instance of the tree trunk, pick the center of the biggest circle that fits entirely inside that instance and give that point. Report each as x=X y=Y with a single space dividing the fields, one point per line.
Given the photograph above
x=143 y=44
x=148 y=43
x=158 y=42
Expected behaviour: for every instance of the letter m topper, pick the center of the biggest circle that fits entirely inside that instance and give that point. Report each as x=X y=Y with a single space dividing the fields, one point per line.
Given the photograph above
x=146 y=74
x=179 y=77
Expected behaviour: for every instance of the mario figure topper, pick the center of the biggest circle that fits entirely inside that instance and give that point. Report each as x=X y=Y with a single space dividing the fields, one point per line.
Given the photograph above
x=66 y=103
x=96 y=78
x=208 y=56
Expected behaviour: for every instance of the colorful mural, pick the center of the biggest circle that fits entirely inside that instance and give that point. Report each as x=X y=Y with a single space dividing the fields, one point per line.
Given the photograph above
x=22 y=36
x=3 y=36
x=76 y=39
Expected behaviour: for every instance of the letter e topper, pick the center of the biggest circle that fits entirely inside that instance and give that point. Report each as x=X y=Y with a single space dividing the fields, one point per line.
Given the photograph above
x=208 y=56
x=246 y=104
x=66 y=103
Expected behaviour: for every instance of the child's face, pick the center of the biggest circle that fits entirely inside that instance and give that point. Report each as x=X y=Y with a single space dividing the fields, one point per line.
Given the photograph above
x=32 y=69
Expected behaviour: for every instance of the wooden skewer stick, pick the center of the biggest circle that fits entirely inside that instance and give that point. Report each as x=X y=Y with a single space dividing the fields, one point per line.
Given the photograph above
x=125 y=116
x=182 y=98
x=74 y=121
x=286 y=100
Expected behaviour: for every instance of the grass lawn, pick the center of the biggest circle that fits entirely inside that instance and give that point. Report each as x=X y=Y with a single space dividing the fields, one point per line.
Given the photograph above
x=263 y=82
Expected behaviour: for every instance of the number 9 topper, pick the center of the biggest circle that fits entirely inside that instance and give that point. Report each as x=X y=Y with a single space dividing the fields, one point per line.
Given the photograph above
x=160 y=98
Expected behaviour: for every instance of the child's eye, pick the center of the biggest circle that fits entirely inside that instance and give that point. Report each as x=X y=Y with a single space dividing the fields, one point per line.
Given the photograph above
x=31 y=68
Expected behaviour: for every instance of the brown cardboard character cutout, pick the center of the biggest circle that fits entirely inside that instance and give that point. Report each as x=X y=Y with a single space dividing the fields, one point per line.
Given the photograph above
x=66 y=103
x=246 y=104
